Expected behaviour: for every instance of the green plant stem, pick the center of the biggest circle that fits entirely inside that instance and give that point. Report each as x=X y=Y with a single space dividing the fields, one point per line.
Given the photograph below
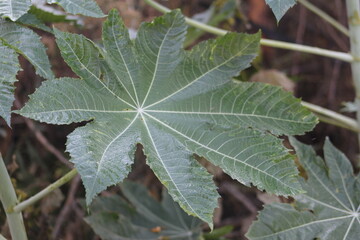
x=307 y=49
x=325 y=16
x=265 y=42
x=353 y=12
x=8 y=199
x=331 y=117
x=67 y=177
x=2 y=237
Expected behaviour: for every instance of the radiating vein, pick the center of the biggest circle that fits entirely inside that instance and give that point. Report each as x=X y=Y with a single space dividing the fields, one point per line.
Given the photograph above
x=156 y=64
x=166 y=169
x=195 y=80
x=225 y=114
x=91 y=73
x=125 y=64
x=213 y=150
x=326 y=187
x=302 y=226
x=106 y=149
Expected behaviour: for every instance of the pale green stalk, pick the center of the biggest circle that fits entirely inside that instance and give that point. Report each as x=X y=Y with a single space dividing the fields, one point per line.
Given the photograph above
x=8 y=199
x=325 y=16
x=334 y=118
x=66 y=178
x=2 y=237
x=265 y=42
x=346 y=57
x=353 y=11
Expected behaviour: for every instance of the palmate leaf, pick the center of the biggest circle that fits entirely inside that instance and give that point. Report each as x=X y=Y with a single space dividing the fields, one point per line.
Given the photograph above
x=175 y=103
x=280 y=7
x=113 y=218
x=9 y=66
x=330 y=209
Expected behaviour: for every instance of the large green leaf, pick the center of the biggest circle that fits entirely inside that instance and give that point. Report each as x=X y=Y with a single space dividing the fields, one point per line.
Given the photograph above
x=27 y=43
x=329 y=210
x=280 y=7
x=113 y=218
x=9 y=66
x=83 y=7
x=14 y=9
x=175 y=103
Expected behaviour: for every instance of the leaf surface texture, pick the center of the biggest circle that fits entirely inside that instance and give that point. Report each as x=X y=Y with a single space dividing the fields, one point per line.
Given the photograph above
x=9 y=66
x=14 y=9
x=83 y=7
x=16 y=39
x=27 y=43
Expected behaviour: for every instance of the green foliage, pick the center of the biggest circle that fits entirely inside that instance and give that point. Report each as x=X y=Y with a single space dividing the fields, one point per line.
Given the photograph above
x=330 y=208
x=27 y=43
x=83 y=7
x=14 y=9
x=51 y=13
x=16 y=38
x=9 y=67
x=145 y=218
x=33 y=21
x=175 y=103
x=280 y=7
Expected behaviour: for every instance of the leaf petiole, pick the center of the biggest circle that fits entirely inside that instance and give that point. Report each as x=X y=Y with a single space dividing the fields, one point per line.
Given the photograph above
x=66 y=178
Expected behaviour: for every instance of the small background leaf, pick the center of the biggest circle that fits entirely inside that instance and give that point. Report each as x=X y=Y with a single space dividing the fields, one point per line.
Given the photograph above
x=280 y=7
x=83 y=7
x=144 y=218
